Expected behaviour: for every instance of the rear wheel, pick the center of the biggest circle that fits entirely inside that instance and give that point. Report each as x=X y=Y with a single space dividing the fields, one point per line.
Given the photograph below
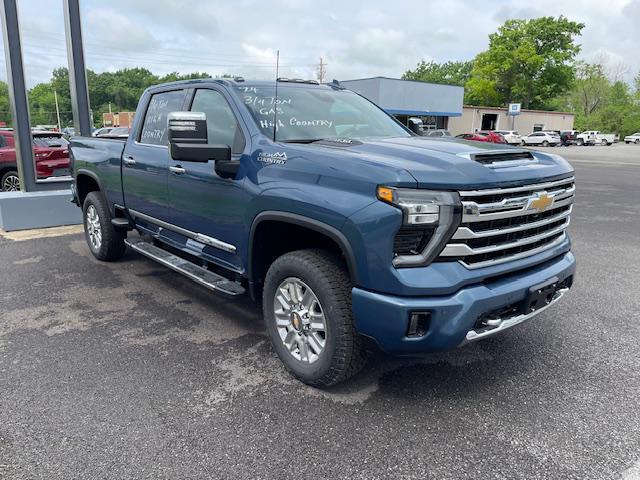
x=637 y=141
x=10 y=182
x=604 y=142
x=307 y=310
x=105 y=242
x=580 y=142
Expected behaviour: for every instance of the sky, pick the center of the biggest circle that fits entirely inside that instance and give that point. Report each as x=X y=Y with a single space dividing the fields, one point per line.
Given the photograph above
x=356 y=39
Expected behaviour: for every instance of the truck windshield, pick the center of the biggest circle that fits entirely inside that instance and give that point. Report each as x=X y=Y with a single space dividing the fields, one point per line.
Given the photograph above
x=306 y=114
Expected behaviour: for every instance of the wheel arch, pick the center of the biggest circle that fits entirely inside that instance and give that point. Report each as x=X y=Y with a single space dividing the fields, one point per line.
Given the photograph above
x=256 y=268
x=86 y=181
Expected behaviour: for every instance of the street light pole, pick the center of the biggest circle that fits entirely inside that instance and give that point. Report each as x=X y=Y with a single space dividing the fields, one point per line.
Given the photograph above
x=55 y=96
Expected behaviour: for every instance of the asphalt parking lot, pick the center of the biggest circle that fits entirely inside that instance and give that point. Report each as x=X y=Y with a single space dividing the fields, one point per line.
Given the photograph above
x=127 y=370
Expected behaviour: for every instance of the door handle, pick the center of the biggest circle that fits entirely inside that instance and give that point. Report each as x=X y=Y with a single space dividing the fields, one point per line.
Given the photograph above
x=129 y=161
x=177 y=170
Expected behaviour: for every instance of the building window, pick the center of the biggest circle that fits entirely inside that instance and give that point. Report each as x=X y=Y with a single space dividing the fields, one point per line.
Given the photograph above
x=538 y=127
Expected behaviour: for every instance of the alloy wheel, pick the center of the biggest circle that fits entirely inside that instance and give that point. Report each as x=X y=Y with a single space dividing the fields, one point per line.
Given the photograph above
x=11 y=183
x=93 y=227
x=300 y=320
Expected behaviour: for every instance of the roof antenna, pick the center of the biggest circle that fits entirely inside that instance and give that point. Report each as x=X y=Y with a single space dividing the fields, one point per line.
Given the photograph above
x=275 y=100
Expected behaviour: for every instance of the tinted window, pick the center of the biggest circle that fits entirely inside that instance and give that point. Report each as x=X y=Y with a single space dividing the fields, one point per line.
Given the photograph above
x=222 y=127
x=3 y=141
x=154 y=129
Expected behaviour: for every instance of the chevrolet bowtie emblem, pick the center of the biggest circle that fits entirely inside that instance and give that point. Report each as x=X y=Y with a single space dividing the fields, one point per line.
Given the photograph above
x=540 y=202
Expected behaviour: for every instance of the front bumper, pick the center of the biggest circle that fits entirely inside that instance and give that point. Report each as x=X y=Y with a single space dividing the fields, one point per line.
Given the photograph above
x=453 y=318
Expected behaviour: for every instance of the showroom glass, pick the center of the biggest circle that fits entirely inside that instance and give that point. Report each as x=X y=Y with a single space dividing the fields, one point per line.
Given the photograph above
x=222 y=127
x=313 y=113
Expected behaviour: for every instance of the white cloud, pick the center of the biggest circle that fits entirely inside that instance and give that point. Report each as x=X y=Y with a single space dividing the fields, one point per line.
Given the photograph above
x=356 y=39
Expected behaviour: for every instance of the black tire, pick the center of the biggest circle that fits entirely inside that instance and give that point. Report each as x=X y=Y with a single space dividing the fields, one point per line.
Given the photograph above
x=343 y=354
x=637 y=142
x=580 y=142
x=10 y=181
x=111 y=246
x=545 y=143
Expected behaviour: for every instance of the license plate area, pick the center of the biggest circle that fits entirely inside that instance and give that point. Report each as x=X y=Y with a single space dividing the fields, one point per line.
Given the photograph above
x=540 y=295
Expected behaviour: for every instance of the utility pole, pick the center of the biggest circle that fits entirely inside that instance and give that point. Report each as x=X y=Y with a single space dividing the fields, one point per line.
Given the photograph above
x=55 y=96
x=321 y=70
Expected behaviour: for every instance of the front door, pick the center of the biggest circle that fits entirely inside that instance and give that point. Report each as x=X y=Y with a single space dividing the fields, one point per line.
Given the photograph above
x=204 y=203
x=145 y=161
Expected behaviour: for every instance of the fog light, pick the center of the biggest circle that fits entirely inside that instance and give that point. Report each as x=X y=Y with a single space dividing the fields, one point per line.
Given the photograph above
x=418 y=324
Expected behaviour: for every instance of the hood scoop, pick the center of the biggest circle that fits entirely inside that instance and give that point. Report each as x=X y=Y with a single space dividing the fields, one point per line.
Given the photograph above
x=501 y=158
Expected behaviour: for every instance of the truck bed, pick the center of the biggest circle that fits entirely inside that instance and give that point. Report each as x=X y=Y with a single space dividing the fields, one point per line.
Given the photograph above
x=100 y=158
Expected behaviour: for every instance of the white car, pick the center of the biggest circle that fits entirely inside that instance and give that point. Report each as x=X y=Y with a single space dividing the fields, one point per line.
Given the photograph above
x=511 y=136
x=635 y=138
x=542 y=138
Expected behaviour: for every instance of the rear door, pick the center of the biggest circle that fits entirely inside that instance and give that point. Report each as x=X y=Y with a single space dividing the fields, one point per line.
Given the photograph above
x=145 y=161
x=205 y=205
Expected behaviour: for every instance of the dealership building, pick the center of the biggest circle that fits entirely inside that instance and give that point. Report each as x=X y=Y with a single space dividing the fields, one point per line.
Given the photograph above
x=441 y=106
x=434 y=104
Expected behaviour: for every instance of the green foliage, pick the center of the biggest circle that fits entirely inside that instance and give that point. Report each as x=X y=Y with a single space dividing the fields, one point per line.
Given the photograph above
x=5 y=108
x=448 y=73
x=600 y=104
x=528 y=61
x=119 y=90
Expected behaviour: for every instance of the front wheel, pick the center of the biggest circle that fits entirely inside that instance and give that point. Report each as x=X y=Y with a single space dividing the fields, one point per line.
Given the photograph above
x=637 y=142
x=604 y=142
x=10 y=182
x=105 y=242
x=545 y=143
x=307 y=310
x=580 y=142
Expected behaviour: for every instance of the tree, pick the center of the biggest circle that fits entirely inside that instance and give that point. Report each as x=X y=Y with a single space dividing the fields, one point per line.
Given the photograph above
x=448 y=73
x=5 y=107
x=528 y=61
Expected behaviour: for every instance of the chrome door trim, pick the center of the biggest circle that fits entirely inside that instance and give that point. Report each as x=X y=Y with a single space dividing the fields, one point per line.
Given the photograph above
x=199 y=237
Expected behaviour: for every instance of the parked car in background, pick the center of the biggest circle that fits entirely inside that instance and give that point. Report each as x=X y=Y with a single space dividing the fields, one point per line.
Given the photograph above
x=634 y=138
x=511 y=136
x=544 y=139
x=595 y=137
x=69 y=131
x=569 y=137
x=118 y=132
x=50 y=152
x=437 y=133
x=490 y=137
x=102 y=131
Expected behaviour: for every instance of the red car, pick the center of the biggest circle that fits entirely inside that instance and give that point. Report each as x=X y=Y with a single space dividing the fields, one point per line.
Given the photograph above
x=491 y=137
x=51 y=155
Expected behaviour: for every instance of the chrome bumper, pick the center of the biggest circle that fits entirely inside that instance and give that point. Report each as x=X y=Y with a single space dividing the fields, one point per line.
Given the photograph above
x=503 y=324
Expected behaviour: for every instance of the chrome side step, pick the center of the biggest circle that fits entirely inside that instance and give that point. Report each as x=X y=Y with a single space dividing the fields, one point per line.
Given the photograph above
x=200 y=275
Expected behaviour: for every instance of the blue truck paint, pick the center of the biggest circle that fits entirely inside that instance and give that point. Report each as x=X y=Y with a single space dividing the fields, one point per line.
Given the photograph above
x=330 y=188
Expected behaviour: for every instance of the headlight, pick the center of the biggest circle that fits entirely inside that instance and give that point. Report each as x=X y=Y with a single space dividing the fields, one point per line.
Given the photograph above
x=436 y=214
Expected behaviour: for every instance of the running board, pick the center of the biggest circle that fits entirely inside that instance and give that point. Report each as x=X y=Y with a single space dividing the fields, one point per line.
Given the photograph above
x=204 y=277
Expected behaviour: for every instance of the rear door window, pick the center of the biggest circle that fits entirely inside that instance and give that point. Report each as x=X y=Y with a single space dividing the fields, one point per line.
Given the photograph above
x=154 y=128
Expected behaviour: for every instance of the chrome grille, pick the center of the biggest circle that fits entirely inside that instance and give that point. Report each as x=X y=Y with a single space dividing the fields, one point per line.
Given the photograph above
x=500 y=225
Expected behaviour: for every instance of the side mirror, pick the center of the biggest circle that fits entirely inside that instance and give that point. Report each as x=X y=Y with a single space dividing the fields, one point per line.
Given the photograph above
x=187 y=134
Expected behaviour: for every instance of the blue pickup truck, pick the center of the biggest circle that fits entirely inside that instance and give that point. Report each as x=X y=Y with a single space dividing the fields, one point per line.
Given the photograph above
x=351 y=231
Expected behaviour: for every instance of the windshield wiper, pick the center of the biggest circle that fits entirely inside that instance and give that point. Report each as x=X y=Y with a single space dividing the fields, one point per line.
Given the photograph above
x=304 y=140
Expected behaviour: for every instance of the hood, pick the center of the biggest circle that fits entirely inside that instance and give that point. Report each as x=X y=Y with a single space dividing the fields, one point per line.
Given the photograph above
x=445 y=163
